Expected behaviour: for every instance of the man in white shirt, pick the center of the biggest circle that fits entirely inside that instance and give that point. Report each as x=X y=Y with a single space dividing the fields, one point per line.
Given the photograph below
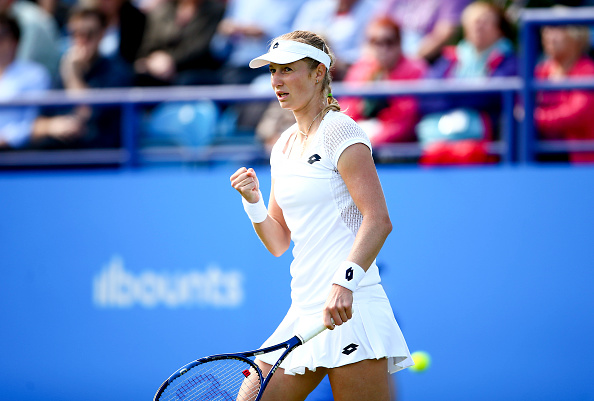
x=17 y=77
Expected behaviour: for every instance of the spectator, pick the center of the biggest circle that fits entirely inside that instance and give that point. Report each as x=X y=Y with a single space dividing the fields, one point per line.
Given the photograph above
x=458 y=127
x=125 y=28
x=427 y=25
x=83 y=67
x=341 y=22
x=384 y=120
x=247 y=29
x=17 y=77
x=40 y=40
x=566 y=114
x=273 y=123
x=176 y=44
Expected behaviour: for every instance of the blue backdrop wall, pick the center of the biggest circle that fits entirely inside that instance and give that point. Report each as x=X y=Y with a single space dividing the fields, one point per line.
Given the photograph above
x=112 y=280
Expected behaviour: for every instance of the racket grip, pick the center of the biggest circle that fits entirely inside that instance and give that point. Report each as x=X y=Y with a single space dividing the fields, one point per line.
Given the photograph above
x=311 y=333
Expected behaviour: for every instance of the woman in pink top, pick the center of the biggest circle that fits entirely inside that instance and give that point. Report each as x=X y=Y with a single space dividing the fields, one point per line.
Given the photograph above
x=386 y=120
x=566 y=114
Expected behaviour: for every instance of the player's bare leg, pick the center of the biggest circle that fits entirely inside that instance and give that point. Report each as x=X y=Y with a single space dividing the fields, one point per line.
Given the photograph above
x=250 y=387
x=367 y=380
x=284 y=387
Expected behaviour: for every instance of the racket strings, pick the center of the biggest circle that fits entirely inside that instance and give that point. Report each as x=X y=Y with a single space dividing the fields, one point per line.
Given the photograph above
x=216 y=380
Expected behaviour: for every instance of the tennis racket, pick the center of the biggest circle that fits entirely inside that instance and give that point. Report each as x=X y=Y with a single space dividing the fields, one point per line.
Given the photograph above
x=227 y=377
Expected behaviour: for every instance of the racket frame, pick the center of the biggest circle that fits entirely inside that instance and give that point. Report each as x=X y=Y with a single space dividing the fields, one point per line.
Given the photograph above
x=288 y=345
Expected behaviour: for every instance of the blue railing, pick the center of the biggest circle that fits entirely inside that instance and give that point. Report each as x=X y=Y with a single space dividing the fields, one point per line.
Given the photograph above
x=512 y=146
x=131 y=100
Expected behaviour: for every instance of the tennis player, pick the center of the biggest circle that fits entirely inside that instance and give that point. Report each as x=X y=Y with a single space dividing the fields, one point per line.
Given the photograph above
x=326 y=197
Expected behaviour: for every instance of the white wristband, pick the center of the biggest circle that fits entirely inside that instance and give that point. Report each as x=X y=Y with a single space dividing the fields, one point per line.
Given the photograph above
x=348 y=275
x=257 y=212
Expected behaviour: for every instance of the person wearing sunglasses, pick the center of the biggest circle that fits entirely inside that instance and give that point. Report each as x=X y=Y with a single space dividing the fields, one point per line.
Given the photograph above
x=392 y=119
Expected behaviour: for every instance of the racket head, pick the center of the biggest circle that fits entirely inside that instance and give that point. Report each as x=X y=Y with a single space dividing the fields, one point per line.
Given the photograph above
x=218 y=377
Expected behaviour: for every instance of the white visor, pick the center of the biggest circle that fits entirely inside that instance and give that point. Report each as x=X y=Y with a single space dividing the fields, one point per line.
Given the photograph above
x=289 y=51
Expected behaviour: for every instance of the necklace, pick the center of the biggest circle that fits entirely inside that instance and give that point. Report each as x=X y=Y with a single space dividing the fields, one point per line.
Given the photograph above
x=308 y=128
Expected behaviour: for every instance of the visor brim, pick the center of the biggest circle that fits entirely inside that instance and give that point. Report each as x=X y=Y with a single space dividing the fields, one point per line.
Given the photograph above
x=277 y=57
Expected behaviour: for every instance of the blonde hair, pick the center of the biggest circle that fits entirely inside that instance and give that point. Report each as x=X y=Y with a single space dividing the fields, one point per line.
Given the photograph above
x=581 y=34
x=318 y=42
x=505 y=27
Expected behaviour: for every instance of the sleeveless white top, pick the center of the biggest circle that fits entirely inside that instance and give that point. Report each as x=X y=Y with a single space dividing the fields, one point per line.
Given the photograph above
x=318 y=208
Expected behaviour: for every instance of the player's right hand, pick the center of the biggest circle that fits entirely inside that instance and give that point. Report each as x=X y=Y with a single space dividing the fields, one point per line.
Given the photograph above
x=246 y=183
x=338 y=308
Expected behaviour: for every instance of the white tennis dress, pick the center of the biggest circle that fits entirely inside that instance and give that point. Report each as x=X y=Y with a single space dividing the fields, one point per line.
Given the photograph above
x=324 y=221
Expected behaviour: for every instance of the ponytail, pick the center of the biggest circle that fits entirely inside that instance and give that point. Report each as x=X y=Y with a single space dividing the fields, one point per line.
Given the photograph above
x=332 y=104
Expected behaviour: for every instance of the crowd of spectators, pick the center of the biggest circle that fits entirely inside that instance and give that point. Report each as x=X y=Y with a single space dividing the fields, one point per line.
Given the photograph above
x=77 y=44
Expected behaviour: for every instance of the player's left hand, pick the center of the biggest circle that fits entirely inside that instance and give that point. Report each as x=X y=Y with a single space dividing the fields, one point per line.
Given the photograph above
x=246 y=182
x=339 y=306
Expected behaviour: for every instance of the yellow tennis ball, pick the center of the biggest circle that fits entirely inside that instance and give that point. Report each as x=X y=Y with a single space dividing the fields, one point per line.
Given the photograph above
x=422 y=361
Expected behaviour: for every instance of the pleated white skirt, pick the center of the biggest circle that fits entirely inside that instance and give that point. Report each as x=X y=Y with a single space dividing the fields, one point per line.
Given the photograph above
x=372 y=333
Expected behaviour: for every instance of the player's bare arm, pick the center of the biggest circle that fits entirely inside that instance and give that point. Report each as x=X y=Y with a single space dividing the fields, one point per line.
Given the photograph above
x=273 y=231
x=360 y=176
